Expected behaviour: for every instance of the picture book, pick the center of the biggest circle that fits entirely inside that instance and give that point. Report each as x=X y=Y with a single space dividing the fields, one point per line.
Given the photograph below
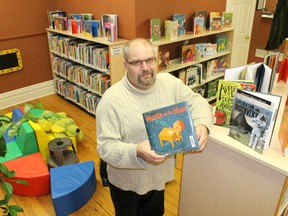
x=75 y=16
x=224 y=99
x=155 y=29
x=198 y=25
x=87 y=16
x=283 y=71
x=227 y=19
x=253 y=118
x=211 y=49
x=181 y=18
x=192 y=78
x=61 y=23
x=220 y=65
x=74 y=26
x=51 y=14
x=112 y=19
x=171 y=129
x=163 y=60
x=210 y=68
x=282 y=133
x=201 y=50
x=171 y=29
x=201 y=13
x=259 y=73
x=211 y=89
x=199 y=67
x=91 y=28
x=216 y=21
x=188 y=53
x=110 y=31
x=271 y=60
x=221 y=41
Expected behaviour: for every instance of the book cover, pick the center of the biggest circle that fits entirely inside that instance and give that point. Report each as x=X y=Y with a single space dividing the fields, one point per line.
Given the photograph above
x=188 y=53
x=282 y=133
x=192 y=78
x=220 y=65
x=163 y=60
x=181 y=19
x=210 y=68
x=198 y=25
x=112 y=19
x=253 y=118
x=61 y=23
x=201 y=13
x=171 y=29
x=211 y=49
x=216 y=21
x=199 y=67
x=110 y=31
x=221 y=41
x=201 y=50
x=51 y=14
x=211 y=89
x=224 y=99
x=227 y=19
x=155 y=29
x=171 y=129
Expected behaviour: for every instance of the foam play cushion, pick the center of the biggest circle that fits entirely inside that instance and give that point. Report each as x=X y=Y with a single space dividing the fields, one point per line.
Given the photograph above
x=32 y=169
x=13 y=152
x=72 y=186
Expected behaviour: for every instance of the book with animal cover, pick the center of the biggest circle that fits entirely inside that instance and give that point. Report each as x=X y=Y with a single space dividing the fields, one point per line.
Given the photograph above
x=227 y=19
x=188 y=53
x=224 y=99
x=163 y=60
x=112 y=19
x=253 y=118
x=198 y=25
x=181 y=18
x=171 y=129
x=221 y=41
x=283 y=129
x=259 y=73
x=192 y=78
x=171 y=29
x=201 y=13
x=201 y=50
x=155 y=29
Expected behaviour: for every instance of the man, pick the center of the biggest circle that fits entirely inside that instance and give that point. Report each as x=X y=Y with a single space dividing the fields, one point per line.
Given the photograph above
x=136 y=174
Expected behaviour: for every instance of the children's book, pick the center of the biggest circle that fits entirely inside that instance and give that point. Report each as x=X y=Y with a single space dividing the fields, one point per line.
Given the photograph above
x=112 y=19
x=198 y=25
x=210 y=68
x=52 y=14
x=216 y=21
x=220 y=65
x=253 y=117
x=192 y=78
x=171 y=129
x=201 y=50
x=188 y=53
x=211 y=89
x=283 y=130
x=227 y=19
x=224 y=99
x=155 y=29
x=221 y=41
x=201 y=13
x=181 y=18
x=92 y=28
x=163 y=60
x=110 y=31
x=171 y=29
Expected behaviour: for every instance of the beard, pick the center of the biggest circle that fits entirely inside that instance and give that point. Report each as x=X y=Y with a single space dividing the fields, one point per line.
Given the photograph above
x=146 y=79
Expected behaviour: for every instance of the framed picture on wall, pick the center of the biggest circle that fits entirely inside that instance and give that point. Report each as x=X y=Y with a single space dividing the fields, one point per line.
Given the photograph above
x=260 y=4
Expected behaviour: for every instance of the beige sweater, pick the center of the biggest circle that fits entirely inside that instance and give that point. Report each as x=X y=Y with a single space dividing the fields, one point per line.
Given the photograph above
x=120 y=126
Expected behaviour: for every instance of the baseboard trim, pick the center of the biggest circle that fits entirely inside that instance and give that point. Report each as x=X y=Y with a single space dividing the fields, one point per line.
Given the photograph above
x=22 y=95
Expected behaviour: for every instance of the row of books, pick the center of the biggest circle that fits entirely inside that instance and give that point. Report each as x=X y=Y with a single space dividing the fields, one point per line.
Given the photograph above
x=176 y=26
x=78 y=95
x=92 y=80
x=84 y=23
x=84 y=52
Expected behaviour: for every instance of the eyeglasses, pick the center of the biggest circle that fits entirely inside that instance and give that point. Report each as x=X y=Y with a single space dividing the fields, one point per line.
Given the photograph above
x=137 y=63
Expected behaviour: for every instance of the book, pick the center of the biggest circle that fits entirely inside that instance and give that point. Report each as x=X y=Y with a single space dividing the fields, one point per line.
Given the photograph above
x=163 y=60
x=61 y=23
x=283 y=71
x=201 y=13
x=282 y=133
x=201 y=50
x=181 y=19
x=199 y=67
x=51 y=14
x=227 y=19
x=112 y=19
x=224 y=99
x=188 y=53
x=220 y=65
x=271 y=60
x=221 y=41
x=216 y=21
x=171 y=129
x=75 y=26
x=92 y=28
x=182 y=75
x=155 y=29
x=209 y=69
x=171 y=29
x=253 y=118
x=211 y=89
x=192 y=78
x=110 y=31
x=259 y=73
x=198 y=25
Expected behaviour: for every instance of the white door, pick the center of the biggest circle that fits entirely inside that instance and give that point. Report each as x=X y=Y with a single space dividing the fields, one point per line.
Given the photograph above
x=242 y=22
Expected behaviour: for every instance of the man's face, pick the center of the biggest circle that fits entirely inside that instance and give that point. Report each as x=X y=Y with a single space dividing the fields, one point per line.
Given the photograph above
x=141 y=66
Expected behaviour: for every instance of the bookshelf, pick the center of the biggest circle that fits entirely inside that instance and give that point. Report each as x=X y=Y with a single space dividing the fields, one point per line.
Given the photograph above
x=207 y=36
x=83 y=68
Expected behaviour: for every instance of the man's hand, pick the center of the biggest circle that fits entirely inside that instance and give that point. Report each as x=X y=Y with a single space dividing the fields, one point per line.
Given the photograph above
x=144 y=151
x=202 y=135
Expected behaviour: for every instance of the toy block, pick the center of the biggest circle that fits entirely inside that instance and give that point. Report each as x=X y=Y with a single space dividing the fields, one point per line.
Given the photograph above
x=36 y=112
x=26 y=139
x=13 y=152
x=16 y=114
x=72 y=186
x=34 y=171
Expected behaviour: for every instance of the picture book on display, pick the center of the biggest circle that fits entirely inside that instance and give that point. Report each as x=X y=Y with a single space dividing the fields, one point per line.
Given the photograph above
x=201 y=13
x=155 y=29
x=224 y=99
x=192 y=77
x=260 y=73
x=283 y=130
x=110 y=31
x=220 y=65
x=216 y=21
x=112 y=20
x=198 y=25
x=253 y=118
x=171 y=129
x=91 y=28
x=163 y=60
x=52 y=14
x=171 y=29
x=221 y=41
x=227 y=19
x=188 y=53
x=181 y=18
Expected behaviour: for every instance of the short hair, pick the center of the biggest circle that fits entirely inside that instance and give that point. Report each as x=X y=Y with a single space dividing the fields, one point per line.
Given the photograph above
x=136 y=42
